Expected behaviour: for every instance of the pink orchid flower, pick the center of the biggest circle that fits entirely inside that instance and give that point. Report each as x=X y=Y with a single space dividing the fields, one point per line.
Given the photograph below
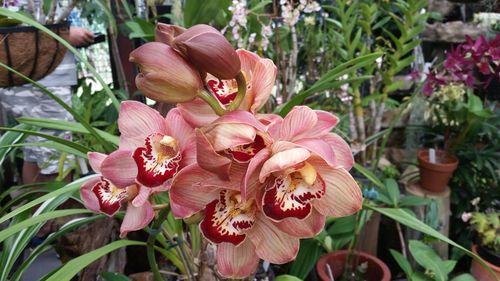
x=235 y=137
x=303 y=176
x=260 y=75
x=152 y=148
x=243 y=234
x=101 y=195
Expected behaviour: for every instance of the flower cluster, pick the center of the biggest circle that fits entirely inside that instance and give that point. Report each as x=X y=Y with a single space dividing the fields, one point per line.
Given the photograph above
x=261 y=182
x=465 y=61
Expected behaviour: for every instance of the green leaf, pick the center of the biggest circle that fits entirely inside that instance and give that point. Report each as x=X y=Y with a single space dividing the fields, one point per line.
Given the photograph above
x=13 y=229
x=402 y=262
x=69 y=188
x=49 y=144
x=392 y=191
x=66 y=126
x=369 y=175
x=330 y=76
x=74 y=266
x=62 y=141
x=201 y=11
x=10 y=138
x=464 y=277
x=309 y=253
x=287 y=277
x=405 y=218
x=409 y=201
x=449 y=265
x=427 y=258
x=113 y=276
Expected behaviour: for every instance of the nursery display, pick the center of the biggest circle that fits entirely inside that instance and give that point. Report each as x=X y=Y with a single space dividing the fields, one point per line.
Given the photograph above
x=252 y=140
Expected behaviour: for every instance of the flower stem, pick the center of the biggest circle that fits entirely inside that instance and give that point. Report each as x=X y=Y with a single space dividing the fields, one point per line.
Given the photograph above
x=242 y=90
x=210 y=100
x=155 y=230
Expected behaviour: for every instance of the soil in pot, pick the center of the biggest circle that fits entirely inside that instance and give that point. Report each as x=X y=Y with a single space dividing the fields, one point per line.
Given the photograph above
x=435 y=176
x=478 y=271
x=376 y=269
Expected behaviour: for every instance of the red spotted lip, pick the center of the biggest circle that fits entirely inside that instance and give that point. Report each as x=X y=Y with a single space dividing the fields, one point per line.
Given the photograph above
x=109 y=196
x=244 y=153
x=278 y=203
x=218 y=88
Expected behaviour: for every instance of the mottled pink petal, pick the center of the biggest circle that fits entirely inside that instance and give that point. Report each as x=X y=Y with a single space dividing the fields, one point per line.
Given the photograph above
x=251 y=180
x=343 y=195
x=95 y=160
x=343 y=153
x=283 y=160
x=263 y=79
x=184 y=134
x=236 y=261
x=193 y=188
x=120 y=168
x=136 y=218
x=320 y=148
x=271 y=244
x=142 y=197
x=136 y=121
x=88 y=197
x=297 y=122
x=305 y=228
x=209 y=159
x=197 y=113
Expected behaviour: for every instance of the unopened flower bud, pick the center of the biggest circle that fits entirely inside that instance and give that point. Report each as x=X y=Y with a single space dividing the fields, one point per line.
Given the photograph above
x=208 y=51
x=164 y=75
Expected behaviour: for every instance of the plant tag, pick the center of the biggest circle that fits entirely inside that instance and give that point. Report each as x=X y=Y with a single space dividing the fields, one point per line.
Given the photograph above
x=432 y=155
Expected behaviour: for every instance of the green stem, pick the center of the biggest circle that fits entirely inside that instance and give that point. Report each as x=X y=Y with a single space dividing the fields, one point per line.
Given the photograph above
x=242 y=90
x=213 y=102
x=155 y=230
x=180 y=242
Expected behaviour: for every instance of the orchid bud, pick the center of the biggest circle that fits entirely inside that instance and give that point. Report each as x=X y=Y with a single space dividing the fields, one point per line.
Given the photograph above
x=165 y=33
x=208 y=51
x=164 y=75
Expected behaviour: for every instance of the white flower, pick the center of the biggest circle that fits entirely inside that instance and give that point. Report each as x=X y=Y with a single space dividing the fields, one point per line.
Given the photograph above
x=475 y=201
x=309 y=20
x=466 y=216
x=251 y=37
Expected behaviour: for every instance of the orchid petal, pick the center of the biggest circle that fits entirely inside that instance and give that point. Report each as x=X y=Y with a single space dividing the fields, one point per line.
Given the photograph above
x=283 y=160
x=136 y=122
x=197 y=113
x=95 y=160
x=209 y=159
x=342 y=196
x=326 y=122
x=320 y=148
x=343 y=153
x=305 y=228
x=298 y=121
x=250 y=181
x=89 y=198
x=271 y=244
x=263 y=80
x=142 y=197
x=237 y=261
x=119 y=167
x=229 y=135
x=136 y=218
x=192 y=189
x=184 y=134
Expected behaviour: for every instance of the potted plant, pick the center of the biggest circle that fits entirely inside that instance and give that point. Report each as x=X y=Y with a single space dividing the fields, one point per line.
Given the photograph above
x=454 y=110
x=487 y=228
x=28 y=50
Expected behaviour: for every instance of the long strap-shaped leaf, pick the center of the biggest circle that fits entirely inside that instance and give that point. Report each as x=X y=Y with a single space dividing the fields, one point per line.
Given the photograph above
x=66 y=126
x=68 y=108
x=45 y=245
x=328 y=78
x=62 y=141
x=13 y=229
x=49 y=144
x=27 y=20
x=69 y=188
x=9 y=138
x=74 y=266
x=405 y=218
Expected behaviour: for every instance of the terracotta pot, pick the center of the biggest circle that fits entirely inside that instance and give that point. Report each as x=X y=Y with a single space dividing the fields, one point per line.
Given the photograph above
x=480 y=273
x=435 y=176
x=377 y=270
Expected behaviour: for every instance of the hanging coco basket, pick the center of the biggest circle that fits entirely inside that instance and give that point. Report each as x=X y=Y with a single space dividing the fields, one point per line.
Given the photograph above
x=31 y=52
